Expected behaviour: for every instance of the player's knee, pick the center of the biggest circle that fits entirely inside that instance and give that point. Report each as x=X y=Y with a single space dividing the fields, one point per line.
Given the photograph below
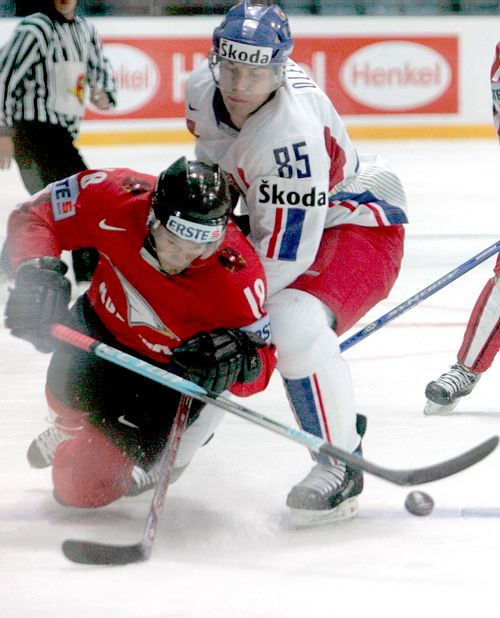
x=89 y=471
x=298 y=320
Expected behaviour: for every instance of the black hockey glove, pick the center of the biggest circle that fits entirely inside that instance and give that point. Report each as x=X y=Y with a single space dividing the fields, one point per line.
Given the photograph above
x=39 y=299
x=217 y=359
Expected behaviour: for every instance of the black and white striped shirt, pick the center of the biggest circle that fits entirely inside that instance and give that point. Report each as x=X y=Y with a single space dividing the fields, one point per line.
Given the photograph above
x=45 y=68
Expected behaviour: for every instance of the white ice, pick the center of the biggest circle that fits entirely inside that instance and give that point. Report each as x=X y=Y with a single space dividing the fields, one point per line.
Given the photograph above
x=224 y=548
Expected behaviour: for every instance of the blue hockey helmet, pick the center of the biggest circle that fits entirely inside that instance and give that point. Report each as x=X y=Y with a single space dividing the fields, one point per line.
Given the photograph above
x=253 y=34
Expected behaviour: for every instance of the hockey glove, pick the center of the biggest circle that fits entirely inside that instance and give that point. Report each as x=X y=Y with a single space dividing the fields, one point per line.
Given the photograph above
x=217 y=359
x=39 y=299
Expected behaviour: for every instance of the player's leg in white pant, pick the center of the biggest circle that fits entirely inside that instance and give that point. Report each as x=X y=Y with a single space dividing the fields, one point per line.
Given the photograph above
x=196 y=435
x=319 y=386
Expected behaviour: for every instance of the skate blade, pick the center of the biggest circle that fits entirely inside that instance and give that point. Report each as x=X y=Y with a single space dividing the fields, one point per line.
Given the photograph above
x=304 y=518
x=433 y=409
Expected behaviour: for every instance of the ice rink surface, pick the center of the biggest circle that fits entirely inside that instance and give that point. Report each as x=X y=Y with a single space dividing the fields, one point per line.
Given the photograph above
x=225 y=548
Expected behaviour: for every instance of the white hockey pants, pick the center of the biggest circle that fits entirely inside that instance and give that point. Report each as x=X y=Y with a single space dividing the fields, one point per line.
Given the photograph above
x=316 y=377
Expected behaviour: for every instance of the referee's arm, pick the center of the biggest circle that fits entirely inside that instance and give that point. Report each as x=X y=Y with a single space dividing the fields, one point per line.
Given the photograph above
x=16 y=61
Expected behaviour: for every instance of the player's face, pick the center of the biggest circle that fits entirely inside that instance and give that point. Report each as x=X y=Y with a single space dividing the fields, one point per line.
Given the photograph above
x=176 y=254
x=245 y=87
x=67 y=8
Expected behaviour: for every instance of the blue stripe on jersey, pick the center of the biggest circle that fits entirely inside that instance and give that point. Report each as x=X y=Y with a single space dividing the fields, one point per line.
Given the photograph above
x=290 y=239
x=301 y=396
x=394 y=214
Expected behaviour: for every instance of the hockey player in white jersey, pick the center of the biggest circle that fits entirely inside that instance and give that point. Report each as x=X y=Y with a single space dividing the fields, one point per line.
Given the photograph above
x=326 y=225
x=481 y=340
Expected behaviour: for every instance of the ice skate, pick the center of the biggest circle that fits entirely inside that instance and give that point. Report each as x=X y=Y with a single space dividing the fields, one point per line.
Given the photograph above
x=143 y=481
x=444 y=394
x=328 y=493
x=41 y=451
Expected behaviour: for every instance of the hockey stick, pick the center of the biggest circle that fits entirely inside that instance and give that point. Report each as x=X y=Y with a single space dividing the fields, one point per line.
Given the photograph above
x=420 y=296
x=90 y=552
x=411 y=476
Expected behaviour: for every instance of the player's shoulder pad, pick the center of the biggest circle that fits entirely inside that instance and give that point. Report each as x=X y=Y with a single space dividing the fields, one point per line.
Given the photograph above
x=116 y=178
x=66 y=192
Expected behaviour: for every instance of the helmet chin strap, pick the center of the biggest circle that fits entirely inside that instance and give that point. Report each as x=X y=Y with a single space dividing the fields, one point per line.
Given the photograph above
x=149 y=246
x=149 y=253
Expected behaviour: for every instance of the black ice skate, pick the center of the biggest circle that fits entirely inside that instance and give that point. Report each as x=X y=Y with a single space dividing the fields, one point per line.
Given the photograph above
x=444 y=394
x=42 y=449
x=328 y=493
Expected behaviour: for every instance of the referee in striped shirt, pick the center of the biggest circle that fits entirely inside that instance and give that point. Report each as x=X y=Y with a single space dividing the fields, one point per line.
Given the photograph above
x=45 y=69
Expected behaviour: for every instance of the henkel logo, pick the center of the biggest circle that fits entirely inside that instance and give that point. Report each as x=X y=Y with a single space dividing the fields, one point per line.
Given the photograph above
x=136 y=74
x=240 y=52
x=395 y=75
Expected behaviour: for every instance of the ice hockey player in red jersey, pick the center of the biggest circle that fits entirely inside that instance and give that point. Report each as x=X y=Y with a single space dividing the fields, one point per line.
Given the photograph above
x=482 y=335
x=177 y=284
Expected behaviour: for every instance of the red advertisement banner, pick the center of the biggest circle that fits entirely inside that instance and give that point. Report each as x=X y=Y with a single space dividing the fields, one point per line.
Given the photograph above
x=362 y=75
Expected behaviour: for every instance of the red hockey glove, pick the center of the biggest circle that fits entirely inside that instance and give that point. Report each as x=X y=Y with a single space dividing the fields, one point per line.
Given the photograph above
x=217 y=359
x=39 y=299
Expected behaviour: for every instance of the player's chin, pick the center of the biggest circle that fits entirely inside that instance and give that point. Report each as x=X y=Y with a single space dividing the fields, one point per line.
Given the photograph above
x=173 y=271
x=170 y=269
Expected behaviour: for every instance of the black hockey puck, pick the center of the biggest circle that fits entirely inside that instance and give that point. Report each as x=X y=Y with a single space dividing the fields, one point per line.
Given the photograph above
x=419 y=503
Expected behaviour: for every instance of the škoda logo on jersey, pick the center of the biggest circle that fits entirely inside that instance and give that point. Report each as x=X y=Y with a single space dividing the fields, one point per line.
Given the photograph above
x=280 y=194
x=240 y=52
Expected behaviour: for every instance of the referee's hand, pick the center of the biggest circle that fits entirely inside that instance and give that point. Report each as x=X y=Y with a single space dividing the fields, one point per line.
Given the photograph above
x=6 y=151
x=99 y=98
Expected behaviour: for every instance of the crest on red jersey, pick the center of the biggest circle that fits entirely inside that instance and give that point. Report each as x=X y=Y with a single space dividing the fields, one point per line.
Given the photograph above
x=140 y=312
x=231 y=259
x=135 y=185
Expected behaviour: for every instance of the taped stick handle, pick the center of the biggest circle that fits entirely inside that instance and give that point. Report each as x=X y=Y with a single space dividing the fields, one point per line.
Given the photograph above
x=73 y=337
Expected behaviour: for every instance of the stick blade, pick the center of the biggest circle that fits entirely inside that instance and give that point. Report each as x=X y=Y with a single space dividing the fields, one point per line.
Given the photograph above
x=451 y=466
x=88 y=552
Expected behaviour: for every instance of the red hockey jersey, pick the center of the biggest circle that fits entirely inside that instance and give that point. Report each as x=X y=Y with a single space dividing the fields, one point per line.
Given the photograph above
x=145 y=309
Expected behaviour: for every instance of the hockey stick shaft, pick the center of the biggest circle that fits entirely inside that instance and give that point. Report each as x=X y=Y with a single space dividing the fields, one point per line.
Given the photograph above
x=313 y=443
x=166 y=467
x=420 y=296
